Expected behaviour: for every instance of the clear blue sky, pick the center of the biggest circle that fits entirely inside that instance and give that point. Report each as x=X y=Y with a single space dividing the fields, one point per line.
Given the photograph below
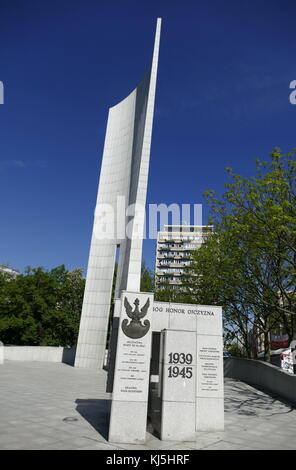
x=222 y=101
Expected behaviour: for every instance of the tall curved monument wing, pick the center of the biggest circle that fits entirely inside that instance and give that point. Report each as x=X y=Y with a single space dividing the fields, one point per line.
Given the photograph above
x=124 y=177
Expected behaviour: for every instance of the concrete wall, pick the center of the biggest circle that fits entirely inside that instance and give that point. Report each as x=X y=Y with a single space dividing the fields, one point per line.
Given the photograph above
x=262 y=374
x=39 y=353
x=1 y=352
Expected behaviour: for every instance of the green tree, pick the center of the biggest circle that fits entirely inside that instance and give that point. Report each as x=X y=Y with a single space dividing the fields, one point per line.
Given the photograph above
x=167 y=292
x=147 y=279
x=248 y=264
x=235 y=350
x=41 y=307
x=61 y=324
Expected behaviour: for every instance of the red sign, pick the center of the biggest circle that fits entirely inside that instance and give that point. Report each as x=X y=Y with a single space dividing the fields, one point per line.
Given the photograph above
x=279 y=341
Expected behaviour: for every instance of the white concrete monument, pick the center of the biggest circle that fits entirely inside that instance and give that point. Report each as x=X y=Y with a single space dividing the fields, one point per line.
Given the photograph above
x=124 y=175
x=1 y=353
x=189 y=383
x=206 y=322
x=178 y=385
x=186 y=386
x=132 y=369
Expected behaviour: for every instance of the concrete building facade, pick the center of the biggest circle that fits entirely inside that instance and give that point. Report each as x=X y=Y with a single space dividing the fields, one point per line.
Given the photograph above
x=10 y=271
x=174 y=251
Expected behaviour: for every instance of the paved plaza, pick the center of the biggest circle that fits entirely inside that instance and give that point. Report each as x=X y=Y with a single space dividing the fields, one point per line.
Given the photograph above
x=56 y=406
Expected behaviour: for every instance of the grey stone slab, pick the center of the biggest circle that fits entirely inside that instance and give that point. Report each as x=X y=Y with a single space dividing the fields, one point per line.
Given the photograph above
x=178 y=446
x=128 y=422
x=132 y=446
x=249 y=423
x=11 y=446
x=178 y=421
x=8 y=439
x=207 y=439
x=157 y=444
x=179 y=346
x=128 y=416
x=209 y=414
x=178 y=385
x=105 y=446
x=223 y=445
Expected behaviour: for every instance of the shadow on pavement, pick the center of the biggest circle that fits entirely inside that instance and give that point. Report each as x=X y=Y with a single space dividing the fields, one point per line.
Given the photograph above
x=97 y=413
x=69 y=356
x=250 y=401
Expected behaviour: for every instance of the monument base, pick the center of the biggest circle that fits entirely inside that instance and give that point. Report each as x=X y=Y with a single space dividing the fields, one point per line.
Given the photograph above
x=128 y=422
x=128 y=419
x=178 y=385
x=178 y=421
x=210 y=414
x=181 y=364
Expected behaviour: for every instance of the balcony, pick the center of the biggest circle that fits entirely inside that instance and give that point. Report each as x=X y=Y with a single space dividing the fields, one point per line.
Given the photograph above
x=172 y=265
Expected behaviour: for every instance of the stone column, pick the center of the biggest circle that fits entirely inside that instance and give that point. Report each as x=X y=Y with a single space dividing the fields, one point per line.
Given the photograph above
x=210 y=378
x=1 y=352
x=122 y=188
x=178 y=384
x=128 y=417
x=293 y=352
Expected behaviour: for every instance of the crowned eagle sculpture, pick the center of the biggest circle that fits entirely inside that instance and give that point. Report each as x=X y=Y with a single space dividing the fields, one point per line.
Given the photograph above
x=135 y=329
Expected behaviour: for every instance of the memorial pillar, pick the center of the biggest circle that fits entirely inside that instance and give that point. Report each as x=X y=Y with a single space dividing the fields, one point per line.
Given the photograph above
x=210 y=383
x=1 y=352
x=178 y=385
x=128 y=419
x=293 y=352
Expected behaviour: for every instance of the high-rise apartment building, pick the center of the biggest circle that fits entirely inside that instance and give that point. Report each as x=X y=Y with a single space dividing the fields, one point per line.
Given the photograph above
x=7 y=270
x=174 y=251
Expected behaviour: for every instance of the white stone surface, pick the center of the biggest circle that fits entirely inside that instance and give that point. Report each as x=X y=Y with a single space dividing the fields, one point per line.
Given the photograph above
x=131 y=377
x=210 y=383
x=1 y=353
x=124 y=173
x=117 y=307
x=209 y=366
x=178 y=385
x=34 y=353
x=178 y=423
x=160 y=319
x=205 y=319
x=209 y=414
x=133 y=355
x=205 y=392
x=126 y=423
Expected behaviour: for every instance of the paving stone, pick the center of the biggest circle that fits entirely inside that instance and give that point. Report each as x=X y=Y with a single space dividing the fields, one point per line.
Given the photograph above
x=55 y=406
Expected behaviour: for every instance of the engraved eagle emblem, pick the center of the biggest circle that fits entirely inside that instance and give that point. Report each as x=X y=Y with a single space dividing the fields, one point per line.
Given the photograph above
x=135 y=329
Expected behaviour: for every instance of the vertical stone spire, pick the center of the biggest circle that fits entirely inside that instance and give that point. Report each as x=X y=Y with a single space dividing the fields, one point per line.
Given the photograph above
x=124 y=174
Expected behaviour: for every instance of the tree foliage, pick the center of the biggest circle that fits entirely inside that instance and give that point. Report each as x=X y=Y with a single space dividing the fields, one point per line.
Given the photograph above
x=248 y=264
x=147 y=279
x=41 y=307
